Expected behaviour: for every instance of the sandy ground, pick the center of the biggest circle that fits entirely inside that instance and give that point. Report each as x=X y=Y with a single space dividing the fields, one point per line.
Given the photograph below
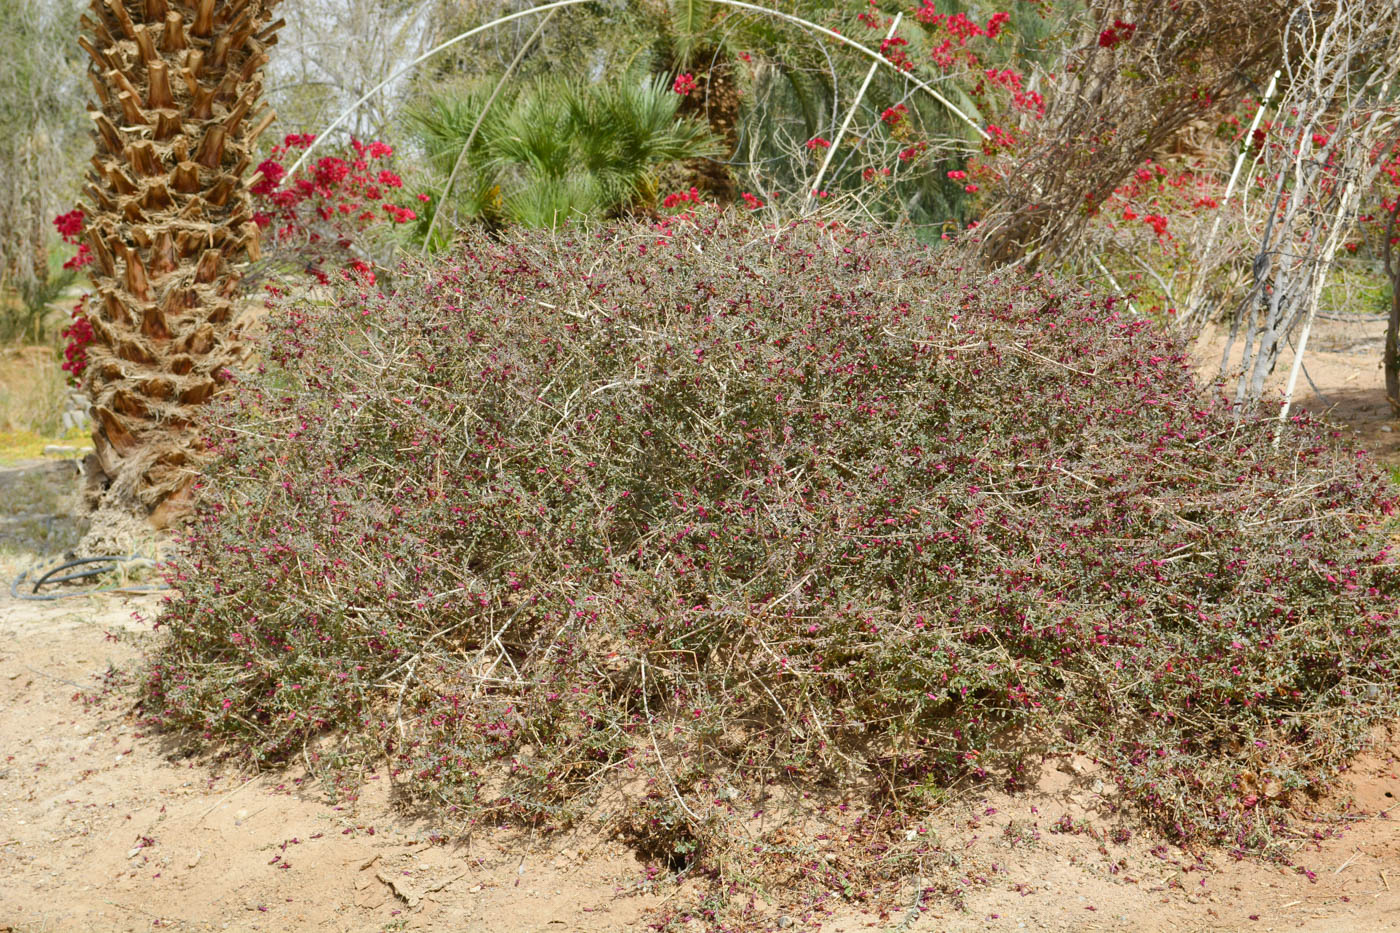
x=1343 y=359
x=104 y=828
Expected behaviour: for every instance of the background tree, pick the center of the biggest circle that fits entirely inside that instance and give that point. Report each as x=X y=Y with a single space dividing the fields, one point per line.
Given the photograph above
x=1337 y=118
x=178 y=88
x=1132 y=80
x=332 y=51
x=41 y=125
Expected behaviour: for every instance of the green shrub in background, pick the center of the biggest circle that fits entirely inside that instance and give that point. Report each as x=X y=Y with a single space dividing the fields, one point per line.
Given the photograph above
x=558 y=150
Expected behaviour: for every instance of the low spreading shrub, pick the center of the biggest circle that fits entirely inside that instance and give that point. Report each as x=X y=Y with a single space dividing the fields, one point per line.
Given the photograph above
x=703 y=505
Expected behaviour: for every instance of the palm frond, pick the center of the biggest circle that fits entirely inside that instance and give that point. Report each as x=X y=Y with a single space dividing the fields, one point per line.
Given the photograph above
x=549 y=202
x=443 y=122
x=690 y=28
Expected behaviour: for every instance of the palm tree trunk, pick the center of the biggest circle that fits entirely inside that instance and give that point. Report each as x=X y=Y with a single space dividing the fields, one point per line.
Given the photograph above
x=170 y=226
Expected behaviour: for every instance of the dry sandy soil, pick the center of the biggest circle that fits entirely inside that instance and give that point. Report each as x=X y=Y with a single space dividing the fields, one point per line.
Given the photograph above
x=104 y=828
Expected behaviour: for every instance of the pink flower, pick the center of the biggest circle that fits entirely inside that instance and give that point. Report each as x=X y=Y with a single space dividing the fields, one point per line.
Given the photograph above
x=957 y=174
x=684 y=84
x=818 y=142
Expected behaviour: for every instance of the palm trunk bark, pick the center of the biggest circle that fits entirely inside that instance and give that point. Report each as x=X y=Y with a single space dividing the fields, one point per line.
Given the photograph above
x=177 y=114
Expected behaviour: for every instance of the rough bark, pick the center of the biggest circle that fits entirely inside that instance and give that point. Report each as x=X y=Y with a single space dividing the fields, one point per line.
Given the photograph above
x=1391 y=360
x=716 y=100
x=177 y=113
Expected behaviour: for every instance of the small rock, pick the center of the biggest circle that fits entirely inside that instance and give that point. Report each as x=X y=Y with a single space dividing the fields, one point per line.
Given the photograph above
x=1387 y=428
x=784 y=922
x=195 y=861
x=402 y=889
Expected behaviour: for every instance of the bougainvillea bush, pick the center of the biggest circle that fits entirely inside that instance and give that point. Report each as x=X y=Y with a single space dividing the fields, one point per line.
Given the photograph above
x=704 y=504
x=329 y=217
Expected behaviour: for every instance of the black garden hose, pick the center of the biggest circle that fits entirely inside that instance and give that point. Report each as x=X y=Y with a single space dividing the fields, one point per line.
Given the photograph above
x=107 y=564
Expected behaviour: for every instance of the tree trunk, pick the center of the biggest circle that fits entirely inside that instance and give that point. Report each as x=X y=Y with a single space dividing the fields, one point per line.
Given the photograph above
x=1392 y=327
x=170 y=226
x=1392 y=349
x=715 y=100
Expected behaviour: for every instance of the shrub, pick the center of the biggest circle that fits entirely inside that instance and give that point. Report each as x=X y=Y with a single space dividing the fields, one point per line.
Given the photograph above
x=706 y=504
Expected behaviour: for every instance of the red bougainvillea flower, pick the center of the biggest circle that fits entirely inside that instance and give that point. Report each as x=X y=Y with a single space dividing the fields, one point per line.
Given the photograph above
x=684 y=84
x=1118 y=32
x=361 y=270
x=957 y=174
x=78 y=335
x=272 y=174
x=753 y=202
x=70 y=225
x=999 y=136
x=818 y=142
x=893 y=50
x=913 y=152
x=677 y=198
x=893 y=115
x=81 y=258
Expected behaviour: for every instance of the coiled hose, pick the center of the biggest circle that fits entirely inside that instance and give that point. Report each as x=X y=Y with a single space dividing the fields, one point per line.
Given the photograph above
x=44 y=575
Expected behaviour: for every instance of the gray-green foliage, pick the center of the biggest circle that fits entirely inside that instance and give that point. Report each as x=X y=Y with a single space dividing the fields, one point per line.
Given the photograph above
x=556 y=149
